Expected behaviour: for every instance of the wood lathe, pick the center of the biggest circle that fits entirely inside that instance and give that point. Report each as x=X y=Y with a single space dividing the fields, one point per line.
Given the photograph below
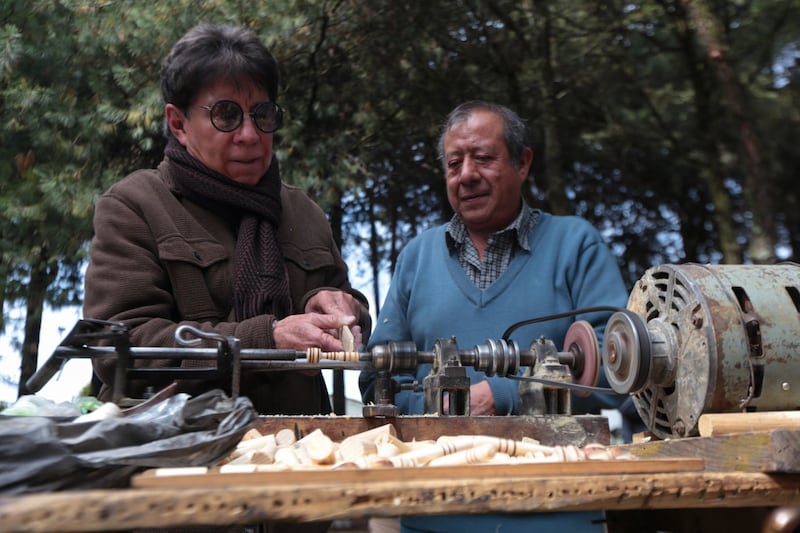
x=694 y=343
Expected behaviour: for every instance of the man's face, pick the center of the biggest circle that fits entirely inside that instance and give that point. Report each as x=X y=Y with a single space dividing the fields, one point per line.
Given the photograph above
x=483 y=186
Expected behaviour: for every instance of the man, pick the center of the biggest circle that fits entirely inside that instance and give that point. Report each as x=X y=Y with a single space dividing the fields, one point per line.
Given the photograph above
x=497 y=262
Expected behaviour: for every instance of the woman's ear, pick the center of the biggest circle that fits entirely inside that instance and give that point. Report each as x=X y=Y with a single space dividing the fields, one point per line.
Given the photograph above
x=176 y=121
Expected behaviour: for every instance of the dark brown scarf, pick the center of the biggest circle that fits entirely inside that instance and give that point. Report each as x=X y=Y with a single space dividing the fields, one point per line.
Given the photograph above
x=261 y=283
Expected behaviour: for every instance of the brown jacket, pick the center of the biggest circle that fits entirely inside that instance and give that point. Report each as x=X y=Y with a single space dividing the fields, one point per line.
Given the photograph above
x=158 y=261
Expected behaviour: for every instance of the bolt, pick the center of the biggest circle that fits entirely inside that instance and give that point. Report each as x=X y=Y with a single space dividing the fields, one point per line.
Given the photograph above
x=786 y=386
x=612 y=352
x=642 y=285
x=679 y=428
x=697 y=321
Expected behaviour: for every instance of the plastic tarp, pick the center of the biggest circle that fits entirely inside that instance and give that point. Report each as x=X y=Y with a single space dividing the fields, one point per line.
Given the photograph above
x=40 y=454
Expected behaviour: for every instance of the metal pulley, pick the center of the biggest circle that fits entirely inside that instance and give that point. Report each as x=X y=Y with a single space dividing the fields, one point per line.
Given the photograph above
x=707 y=339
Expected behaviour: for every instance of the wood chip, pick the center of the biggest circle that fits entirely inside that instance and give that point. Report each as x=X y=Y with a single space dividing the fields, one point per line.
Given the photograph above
x=346 y=336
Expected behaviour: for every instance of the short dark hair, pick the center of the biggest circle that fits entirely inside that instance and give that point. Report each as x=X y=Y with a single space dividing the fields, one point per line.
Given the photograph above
x=515 y=131
x=209 y=52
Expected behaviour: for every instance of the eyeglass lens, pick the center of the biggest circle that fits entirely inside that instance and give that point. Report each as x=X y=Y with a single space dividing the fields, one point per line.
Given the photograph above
x=227 y=116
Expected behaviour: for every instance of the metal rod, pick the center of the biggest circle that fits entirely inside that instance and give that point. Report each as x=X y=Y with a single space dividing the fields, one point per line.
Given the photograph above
x=253 y=354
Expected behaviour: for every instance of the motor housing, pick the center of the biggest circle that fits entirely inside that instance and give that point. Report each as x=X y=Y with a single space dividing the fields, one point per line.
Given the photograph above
x=701 y=339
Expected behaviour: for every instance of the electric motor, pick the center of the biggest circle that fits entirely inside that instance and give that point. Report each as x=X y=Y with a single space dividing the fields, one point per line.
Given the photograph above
x=707 y=339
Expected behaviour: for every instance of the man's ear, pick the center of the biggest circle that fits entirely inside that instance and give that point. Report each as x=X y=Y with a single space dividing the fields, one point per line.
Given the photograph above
x=525 y=162
x=176 y=122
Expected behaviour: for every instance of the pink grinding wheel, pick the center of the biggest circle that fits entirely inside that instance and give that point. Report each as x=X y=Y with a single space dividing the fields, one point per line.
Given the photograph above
x=581 y=340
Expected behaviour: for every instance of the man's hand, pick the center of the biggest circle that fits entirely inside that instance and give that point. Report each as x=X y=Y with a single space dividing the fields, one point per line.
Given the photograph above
x=325 y=313
x=481 y=400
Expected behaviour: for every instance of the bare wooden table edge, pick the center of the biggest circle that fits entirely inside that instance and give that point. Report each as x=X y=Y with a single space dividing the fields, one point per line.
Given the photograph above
x=124 y=509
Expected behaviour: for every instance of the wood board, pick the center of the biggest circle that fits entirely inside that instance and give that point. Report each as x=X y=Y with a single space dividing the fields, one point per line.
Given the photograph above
x=550 y=430
x=776 y=451
x=123 y=510
x=193 y=478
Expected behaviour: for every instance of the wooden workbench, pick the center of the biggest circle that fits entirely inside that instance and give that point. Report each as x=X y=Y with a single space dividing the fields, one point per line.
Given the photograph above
x=663 y=479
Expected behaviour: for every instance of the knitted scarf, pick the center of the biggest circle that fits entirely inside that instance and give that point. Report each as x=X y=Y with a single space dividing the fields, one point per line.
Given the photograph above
x=261 y=281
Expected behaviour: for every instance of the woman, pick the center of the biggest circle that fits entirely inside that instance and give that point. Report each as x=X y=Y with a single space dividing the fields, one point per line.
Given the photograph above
x=213 y=239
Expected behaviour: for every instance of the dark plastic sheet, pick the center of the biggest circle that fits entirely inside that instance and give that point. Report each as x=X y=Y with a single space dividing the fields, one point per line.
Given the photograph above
x=39 y=454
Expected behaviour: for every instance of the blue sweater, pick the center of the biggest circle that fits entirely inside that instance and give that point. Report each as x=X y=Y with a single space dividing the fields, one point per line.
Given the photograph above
x=568 y=267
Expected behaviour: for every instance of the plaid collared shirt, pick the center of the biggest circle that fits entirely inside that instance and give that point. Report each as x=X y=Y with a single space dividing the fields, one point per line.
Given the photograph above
x=500 y=249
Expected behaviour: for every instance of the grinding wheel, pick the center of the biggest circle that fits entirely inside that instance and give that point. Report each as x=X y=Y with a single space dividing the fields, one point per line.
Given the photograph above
x=581 y=340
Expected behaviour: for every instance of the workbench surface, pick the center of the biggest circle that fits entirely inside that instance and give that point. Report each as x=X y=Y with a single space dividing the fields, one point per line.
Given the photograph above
x=110 y=510
x=733 y=472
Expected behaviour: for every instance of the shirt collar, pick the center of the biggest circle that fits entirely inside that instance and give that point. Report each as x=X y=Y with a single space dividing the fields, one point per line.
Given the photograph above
x=522 y=225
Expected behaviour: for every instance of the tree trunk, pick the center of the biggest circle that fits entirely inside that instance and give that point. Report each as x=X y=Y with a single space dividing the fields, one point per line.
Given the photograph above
x=3 y=284
x=374 y=255
x=339 y=404
x=710 y=168
x=394 y=225
x=41 y=277
x=762 y=242
x=555 y=191
x=723 y=215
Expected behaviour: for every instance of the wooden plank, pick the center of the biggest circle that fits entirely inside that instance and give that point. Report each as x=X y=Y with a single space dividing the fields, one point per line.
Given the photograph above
x=763 y=451
x=713 y=424
x=119 y=510
x=550 y=430
x=182 y=478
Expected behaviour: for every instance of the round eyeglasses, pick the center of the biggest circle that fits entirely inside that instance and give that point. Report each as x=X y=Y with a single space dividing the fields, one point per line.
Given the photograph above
x=227 y=115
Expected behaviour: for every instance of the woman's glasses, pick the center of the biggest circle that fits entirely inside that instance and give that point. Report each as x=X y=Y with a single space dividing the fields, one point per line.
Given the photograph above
x=227 y=115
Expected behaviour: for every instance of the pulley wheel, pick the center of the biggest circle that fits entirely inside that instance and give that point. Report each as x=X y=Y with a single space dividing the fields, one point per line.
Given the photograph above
x=626 y=352
x=582 y=342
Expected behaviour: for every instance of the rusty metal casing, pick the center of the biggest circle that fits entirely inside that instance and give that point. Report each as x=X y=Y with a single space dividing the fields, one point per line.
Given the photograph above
x=719 y=338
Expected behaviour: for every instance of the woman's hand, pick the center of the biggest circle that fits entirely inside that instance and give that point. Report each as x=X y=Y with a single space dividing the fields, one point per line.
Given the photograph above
x=334 y=303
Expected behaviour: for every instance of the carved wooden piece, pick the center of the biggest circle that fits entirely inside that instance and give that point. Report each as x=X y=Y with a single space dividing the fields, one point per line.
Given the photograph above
x=379 y=447
x=348 y=341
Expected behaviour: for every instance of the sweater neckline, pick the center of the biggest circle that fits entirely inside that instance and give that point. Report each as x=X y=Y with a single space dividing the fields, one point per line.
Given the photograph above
x=483 y=297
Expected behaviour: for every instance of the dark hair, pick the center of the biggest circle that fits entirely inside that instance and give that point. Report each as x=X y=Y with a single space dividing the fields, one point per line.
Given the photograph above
x=209 y=52
x=515 y=131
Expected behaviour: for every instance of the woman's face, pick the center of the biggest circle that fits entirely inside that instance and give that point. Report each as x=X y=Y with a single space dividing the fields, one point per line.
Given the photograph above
x=244 y=154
